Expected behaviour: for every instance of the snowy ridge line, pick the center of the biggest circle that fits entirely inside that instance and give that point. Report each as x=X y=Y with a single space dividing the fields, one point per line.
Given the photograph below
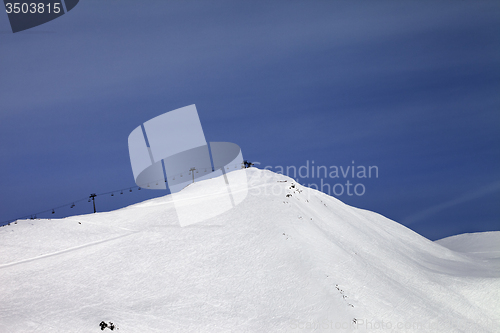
x=72 y=203
x=177 y=200
x=65 y=250
x=211 y=194
x=139 y=187
x=247 y=188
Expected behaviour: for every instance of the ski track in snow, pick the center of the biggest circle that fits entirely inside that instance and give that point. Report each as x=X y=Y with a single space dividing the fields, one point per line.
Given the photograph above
x=43 y=256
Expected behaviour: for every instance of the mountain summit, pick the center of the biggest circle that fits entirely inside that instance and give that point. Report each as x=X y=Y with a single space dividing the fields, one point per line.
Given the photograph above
x=286 y=259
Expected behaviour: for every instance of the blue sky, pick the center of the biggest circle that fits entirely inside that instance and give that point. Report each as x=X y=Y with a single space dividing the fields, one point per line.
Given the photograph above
x=411 y=88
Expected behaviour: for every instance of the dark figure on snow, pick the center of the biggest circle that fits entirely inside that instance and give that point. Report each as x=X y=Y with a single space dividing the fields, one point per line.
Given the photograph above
x=103 y=325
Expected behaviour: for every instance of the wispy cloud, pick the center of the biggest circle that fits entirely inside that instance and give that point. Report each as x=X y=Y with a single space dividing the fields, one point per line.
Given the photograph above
x=483 y=191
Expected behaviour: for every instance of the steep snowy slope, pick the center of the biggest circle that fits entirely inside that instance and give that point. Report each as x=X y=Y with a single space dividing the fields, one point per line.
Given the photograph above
x=287 y=259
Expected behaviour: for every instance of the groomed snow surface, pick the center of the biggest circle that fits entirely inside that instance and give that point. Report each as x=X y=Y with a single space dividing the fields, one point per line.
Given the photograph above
x=287 y=259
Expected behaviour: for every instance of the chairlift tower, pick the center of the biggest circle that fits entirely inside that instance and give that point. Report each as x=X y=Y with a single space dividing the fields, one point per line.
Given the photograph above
x=92 y=196
x=192 y=172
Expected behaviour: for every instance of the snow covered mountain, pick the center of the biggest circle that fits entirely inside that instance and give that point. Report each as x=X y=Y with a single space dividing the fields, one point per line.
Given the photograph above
x=286 y=259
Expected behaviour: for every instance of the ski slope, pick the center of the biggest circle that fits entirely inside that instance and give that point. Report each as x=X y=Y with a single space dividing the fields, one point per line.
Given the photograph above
x=286 y=259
